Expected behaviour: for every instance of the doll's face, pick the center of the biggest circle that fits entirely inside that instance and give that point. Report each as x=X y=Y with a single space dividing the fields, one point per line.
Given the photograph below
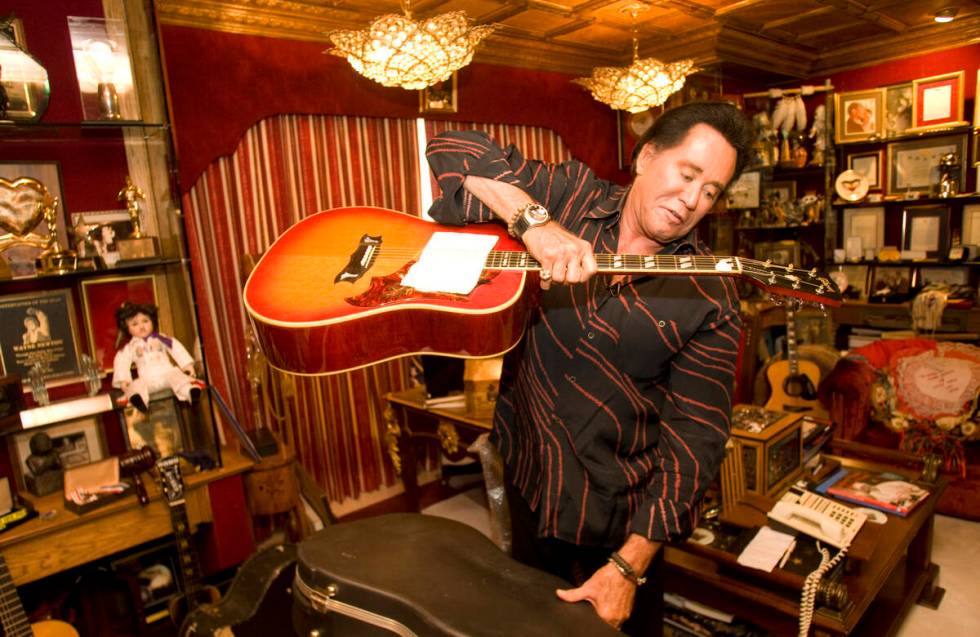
x=140 y=325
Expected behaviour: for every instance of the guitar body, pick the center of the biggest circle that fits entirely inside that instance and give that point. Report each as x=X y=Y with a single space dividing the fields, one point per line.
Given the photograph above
x=327 y=295
x=53 y=628
x=790 y=391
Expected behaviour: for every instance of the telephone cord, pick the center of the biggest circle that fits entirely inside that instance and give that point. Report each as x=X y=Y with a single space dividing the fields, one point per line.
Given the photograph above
x=812 y=585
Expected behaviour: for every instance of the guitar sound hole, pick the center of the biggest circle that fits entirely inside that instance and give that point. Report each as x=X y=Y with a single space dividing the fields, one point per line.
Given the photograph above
x=800 y=387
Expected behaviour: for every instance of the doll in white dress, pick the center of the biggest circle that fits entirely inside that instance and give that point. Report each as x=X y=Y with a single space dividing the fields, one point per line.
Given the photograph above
x=161 y=361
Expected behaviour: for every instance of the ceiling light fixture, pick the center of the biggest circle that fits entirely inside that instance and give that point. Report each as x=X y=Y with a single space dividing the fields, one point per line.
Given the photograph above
x=641 y=85
x=396 y=50
x=946 y=15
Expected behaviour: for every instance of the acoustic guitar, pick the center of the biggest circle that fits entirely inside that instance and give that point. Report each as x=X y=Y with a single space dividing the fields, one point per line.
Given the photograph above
x=793 y=382
x=194 y=593
x=328 y=297
x=14 y=619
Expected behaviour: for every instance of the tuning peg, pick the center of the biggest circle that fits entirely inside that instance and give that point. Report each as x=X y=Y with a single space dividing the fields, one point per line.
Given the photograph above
x=814 y=272
x=789 y=268
x=772 y=279
x=768 y=262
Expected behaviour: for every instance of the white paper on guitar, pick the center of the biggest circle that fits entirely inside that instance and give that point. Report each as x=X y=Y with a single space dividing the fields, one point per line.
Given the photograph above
x=765 y=550
x=450 y=262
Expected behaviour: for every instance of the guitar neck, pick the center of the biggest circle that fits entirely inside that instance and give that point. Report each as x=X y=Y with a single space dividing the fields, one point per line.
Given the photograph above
x=12 y=615
x=628 y=263
x=190 y=569
x=791 y=354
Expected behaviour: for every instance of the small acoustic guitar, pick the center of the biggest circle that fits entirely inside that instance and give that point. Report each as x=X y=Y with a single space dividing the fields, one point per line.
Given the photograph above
x=793 y=382
x=14 y=619
x=328 y=296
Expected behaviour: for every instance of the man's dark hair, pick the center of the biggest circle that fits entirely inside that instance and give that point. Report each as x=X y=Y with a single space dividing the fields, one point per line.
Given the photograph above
x=671 y=128
x=127 y=311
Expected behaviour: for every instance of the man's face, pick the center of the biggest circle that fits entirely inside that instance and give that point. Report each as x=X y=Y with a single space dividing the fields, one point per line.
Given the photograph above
x=860 y=113
x=674 y=188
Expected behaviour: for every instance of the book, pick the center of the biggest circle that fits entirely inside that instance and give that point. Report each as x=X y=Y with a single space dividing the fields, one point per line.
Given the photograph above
x=888 y=492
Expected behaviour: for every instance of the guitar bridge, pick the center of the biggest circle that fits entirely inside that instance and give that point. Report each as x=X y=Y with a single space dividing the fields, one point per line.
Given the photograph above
x=360 y=260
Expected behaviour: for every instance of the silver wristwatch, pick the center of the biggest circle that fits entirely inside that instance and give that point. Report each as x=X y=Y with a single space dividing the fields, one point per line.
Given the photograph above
x=530 y=215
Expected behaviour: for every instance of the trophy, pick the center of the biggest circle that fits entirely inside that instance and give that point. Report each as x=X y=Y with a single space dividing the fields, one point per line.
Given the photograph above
x=138 y=245
x=24 y=203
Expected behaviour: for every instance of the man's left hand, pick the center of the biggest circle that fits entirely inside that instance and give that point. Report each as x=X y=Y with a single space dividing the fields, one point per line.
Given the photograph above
x=608 y=591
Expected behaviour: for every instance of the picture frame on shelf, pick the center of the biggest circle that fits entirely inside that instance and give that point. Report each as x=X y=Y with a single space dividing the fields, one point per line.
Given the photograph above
x=926 y=229
x=745 y=192
x=77 y=442
x=896 y=278
x=161 y=428
x=870 y=165
x=971 y=225
x=21 y=258
x=860 y=115
x=779 y=252
x=441 y=97
x=857 y=278
x=100 y=299
x=951 y=276
x=913 y=165
x=784 y=191
x=868 y=224
x=95 y=233
x=39 y=327
x=937 y=102
x=898 y=109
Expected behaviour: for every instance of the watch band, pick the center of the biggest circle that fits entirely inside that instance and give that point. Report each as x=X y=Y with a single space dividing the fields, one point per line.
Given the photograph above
x=528 y=216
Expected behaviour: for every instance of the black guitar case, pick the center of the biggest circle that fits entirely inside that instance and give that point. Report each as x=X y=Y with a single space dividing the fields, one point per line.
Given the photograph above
x=419 y=575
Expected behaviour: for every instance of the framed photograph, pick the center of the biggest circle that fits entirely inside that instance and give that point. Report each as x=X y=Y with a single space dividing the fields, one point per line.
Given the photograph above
x=895 y=278
x=949 y=276
x=860 y=115
x=971 y=225
x=870 y=165
x=156 y=572
x=898 y=109
x=77 y=442
x=440 y=97
x=100 y=298
x=780 y=252
x=745 y=192
x=857 y=279
x=95 y=233
x=161 y=428
x=868 y=224
x=937 y=102
x=784 y=191
x=926 y=229
x=39 y=327
x=914 y=165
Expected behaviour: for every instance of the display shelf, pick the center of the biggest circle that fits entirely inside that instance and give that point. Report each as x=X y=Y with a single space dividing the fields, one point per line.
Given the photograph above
x=804 y=226
x=877 y=141
x=967 y=198
x=936 y=263
x=122 y=268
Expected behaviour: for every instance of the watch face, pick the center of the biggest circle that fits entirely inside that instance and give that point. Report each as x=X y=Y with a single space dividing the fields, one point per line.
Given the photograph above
x=537 y=214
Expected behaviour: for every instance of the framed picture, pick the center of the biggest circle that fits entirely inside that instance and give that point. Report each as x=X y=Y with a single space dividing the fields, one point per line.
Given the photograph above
x=896 y=279
x=870 y=165
x=96 y=233
x=937 y=102
x=160 y=428
x=859 y=115
x=156 y=571
x=949 y=276
x=971 y=225
x=857 y=279
x=914 y=165
x=784 y=191
x=898 y=109
x=440 y=97
x=867 y=224
x=77 y=442
x=779 y=252
x=39 y=327
x=100 y=299
x=744 y=193
x=976 y=113
x=926 y=229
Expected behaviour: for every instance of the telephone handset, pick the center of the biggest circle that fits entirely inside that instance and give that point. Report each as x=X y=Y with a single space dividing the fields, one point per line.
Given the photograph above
x=818 y=517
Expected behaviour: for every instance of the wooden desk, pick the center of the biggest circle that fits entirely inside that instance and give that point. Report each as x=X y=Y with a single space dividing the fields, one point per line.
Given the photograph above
x=410 y=421
x=897 y=573
x=58 y=539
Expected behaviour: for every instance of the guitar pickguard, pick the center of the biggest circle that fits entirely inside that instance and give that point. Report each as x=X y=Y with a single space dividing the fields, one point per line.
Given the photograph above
x=360 y=259
x=388 y=289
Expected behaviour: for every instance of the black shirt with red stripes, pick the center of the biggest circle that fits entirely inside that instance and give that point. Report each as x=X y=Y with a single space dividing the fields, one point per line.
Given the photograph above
x=615 y=407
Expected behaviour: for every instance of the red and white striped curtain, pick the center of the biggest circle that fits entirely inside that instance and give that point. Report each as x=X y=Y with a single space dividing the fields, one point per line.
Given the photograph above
x=286 y=168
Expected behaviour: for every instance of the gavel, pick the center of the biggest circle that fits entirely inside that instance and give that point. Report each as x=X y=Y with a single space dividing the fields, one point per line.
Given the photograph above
x=133 y=463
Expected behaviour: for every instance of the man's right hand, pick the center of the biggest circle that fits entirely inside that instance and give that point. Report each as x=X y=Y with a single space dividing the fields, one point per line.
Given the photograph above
x=566 y=257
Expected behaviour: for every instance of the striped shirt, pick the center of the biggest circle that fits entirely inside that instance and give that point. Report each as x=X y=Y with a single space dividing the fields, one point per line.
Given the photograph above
x=614 y=409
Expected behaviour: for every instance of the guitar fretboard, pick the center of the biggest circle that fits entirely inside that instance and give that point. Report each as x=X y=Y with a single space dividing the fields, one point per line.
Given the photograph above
x=12 y=615
x=627 y=263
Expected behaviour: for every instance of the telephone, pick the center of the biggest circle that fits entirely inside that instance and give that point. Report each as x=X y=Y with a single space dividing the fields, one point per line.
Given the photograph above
x=818 y=517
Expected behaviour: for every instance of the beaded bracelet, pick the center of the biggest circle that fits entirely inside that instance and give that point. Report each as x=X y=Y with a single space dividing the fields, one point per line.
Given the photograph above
x=625 y=569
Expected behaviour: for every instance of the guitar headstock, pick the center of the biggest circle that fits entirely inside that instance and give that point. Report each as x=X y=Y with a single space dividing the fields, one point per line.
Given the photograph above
x=810 y=286
x=171 y=481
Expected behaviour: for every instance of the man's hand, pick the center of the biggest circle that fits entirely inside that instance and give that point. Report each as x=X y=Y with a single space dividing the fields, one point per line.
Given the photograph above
x=608 y=591
x=566 y=257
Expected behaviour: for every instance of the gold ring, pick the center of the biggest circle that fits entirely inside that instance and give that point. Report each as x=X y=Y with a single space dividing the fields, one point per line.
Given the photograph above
x=545 y=275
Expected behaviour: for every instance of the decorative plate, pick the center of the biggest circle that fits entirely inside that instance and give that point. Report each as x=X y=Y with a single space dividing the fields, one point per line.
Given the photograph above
x=851 y=186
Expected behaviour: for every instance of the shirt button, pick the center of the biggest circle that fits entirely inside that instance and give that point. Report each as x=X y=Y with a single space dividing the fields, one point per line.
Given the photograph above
x=661 y=323
x=591 y=335
x=571 y=379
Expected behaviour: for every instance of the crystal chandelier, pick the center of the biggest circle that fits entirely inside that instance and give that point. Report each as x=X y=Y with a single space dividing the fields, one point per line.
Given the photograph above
x=641 y=85
x=399 y=51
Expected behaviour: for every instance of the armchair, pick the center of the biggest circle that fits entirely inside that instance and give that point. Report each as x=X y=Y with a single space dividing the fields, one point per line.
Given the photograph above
x=912 y=402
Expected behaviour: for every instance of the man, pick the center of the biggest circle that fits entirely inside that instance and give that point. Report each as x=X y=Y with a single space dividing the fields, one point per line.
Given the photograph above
x=858 y=118
x=614 y=409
